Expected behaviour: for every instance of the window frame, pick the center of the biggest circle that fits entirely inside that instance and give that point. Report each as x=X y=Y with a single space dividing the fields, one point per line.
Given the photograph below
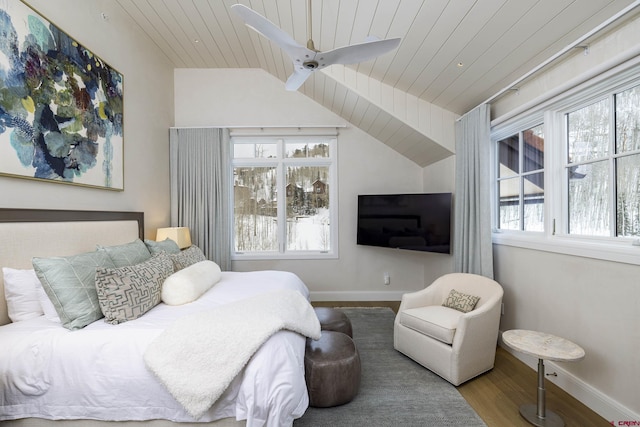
x=520 y=176
x=281 y=162
x=552 y=114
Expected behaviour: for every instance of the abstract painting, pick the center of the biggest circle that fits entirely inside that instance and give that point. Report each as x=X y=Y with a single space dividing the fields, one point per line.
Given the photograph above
x=61 y=106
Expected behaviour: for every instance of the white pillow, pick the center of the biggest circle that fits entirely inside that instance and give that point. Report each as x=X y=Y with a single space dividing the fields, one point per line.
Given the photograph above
x=188 y=284
x=20 y=290
x=49 y=310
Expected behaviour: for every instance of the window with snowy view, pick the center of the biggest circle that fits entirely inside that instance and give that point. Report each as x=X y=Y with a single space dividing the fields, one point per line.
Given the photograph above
x=283 y=190
x=603 y=166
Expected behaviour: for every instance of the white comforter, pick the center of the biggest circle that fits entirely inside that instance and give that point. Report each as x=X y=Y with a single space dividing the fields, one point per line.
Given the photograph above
x=98 y=372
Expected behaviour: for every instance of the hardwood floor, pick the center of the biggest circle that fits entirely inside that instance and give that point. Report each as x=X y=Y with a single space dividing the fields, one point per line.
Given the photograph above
x=497 y=394
x=393 y=305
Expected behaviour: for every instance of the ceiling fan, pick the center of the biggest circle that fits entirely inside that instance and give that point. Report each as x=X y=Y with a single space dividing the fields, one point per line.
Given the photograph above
x=308 y=59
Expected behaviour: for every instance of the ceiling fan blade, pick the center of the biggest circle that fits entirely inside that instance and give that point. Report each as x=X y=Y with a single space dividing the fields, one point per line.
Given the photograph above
x=298 y=78
x=357 y=52
x=269 y=30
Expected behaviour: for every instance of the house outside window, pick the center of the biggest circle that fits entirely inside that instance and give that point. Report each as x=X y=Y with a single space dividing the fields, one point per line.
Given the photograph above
x=520 y=180
x=567 y=173
x=284 y=204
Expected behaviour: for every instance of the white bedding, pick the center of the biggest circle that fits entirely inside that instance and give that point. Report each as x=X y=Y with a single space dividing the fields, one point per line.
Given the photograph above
x=98 y=372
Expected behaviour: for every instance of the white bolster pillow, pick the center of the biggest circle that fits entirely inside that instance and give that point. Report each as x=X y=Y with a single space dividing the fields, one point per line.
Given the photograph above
x=188 y=284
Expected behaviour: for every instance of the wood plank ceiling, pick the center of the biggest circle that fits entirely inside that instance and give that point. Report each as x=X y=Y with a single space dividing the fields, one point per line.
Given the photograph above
x=454 y=54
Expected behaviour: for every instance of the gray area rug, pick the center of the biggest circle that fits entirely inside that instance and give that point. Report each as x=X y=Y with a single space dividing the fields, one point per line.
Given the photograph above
x=394 y=390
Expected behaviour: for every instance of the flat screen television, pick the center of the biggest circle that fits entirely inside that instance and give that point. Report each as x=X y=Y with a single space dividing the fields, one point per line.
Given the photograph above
x=419 y=222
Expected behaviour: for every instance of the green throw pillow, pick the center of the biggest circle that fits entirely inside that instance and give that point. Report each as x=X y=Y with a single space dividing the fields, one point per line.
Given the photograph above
x=128 y=253
x=126 y=293
x=461 y=302
x=70 y=285
x=167 y=245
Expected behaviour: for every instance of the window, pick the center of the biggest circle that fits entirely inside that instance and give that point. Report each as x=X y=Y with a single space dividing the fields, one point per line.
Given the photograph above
x=520 y=180
x=285 y=205
x=567 y=173
x=603 y=166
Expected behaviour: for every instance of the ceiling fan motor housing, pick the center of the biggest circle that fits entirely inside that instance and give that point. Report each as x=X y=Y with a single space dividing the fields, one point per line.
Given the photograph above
x=310 y=65
x=310 y=59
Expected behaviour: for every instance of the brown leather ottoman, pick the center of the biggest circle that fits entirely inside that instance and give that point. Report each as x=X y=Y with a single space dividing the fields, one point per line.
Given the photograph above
x=332 y=319
x=332 y=369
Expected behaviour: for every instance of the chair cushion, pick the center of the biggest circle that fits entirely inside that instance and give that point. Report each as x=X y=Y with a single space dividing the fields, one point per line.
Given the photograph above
x=435 y=321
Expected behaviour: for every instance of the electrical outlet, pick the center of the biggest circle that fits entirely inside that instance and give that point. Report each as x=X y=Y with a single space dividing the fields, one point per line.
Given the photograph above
x=387 y=279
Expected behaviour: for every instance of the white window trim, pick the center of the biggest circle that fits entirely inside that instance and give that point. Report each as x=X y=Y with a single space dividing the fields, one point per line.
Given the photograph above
x=281 y=163
x=627 y=251
x=554 y=239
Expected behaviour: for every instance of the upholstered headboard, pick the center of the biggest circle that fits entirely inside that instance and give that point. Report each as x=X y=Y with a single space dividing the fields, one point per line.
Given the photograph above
x=25 y=233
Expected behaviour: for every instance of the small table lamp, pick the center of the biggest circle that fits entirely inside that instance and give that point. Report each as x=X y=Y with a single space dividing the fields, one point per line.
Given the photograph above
x=180 y=235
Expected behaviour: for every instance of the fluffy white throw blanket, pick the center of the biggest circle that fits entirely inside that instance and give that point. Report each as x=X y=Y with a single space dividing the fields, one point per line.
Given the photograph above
x=198 y=356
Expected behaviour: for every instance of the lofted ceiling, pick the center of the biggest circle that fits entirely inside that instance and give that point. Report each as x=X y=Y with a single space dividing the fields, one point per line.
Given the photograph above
x=454 y=54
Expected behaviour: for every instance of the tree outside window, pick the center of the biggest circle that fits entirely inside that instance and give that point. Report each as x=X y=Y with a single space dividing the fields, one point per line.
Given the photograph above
x=603 y=166
x=283 y=195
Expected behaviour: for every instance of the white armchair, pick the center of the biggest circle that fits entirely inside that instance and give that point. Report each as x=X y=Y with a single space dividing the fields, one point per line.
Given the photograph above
x=455 y=345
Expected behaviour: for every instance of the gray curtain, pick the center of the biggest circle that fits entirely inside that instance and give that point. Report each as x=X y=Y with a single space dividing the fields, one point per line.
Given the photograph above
x=473 y=250
x=200 y=191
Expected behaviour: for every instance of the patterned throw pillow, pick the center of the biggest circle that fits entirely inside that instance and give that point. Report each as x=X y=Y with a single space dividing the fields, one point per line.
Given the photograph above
x=461 y=302
x=70 y=283
x=126 y=293
x=128 y=253
x=167 y=245
x=189 y=256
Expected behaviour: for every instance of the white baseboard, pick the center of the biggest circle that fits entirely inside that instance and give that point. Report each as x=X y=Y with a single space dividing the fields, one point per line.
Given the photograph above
x=358 y=296
x=609 y=409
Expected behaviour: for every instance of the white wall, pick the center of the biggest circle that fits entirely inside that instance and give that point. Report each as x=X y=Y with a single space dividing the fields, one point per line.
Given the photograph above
x=440 y=178
x=234 y=97
x=148 y=109
x=591 y=302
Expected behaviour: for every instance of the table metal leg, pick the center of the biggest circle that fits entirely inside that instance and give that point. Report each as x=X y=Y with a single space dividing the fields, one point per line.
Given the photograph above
x=537 y=414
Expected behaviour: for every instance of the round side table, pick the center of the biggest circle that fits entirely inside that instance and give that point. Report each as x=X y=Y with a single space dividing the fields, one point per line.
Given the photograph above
x=544 y=347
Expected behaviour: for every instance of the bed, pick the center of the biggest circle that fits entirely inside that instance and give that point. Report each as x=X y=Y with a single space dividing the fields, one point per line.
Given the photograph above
x=105 y=374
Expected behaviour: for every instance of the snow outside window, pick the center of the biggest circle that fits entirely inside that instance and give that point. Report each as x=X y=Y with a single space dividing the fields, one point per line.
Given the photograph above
x=567 y=173
x=284 y=200
x=603 y=167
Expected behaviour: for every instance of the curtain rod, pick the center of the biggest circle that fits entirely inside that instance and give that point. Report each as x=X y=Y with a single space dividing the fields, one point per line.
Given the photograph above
x=568 y=48
x=261 y=127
